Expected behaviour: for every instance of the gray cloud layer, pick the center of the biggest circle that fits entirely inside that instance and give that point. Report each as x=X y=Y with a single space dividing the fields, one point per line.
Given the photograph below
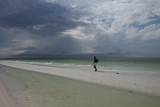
x=45 y=28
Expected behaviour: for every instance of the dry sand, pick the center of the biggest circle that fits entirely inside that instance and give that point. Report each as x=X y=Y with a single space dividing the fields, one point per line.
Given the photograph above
x=5 y=99
x=141 y=82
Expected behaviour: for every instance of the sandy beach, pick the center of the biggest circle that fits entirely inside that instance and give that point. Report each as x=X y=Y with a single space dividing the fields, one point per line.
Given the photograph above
x=131 y=82
x=5 y=99
x=147 y=83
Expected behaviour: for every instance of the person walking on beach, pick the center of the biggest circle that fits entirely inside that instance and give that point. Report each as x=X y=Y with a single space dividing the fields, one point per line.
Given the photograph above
x=95 y=63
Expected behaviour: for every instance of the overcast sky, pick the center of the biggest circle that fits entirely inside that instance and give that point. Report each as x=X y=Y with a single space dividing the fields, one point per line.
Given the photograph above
x=48 y=28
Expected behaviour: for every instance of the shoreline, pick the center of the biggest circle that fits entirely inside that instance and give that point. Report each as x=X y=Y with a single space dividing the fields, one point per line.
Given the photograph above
x=146 y=83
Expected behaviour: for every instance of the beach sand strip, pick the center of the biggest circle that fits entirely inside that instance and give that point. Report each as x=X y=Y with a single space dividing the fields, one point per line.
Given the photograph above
x=147 y=83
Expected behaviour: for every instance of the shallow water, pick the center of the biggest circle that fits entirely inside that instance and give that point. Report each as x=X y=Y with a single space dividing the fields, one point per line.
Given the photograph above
x=32 y=89
x=121 y=64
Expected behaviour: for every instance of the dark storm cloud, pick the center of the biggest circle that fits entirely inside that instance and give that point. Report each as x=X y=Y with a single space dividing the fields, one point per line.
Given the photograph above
x=28 y=13
x=29 y=25
x=52 y=47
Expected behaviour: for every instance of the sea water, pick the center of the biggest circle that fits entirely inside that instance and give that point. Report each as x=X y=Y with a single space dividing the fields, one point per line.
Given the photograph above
x=104 y=64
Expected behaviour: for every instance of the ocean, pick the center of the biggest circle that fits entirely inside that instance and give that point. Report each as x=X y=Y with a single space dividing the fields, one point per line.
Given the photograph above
x=104 y=64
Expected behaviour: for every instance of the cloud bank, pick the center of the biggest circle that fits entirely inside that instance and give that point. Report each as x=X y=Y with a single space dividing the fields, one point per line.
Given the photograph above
x=59 y=28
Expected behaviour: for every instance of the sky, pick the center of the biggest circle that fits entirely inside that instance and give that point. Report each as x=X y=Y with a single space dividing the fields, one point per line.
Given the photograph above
x=63 y=28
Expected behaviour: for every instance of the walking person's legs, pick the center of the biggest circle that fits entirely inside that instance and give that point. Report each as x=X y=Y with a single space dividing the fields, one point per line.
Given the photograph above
x=95 y=67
